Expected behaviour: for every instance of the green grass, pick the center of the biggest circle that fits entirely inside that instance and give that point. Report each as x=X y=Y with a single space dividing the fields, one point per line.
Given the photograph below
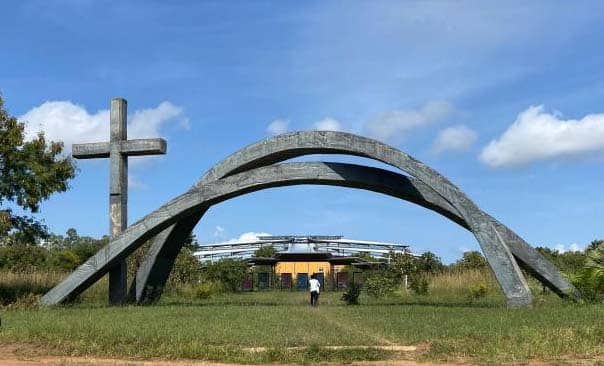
x=219 y=328
x=448 y=324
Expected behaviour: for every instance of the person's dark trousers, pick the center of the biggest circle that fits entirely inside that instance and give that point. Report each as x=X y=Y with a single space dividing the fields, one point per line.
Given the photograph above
x=314 y=297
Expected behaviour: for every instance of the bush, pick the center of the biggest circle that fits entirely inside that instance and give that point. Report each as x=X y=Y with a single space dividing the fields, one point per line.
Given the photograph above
x=64 y=259
x=187 y=268
x=22 y=258
x=351 y=296
x=380 y=283
x=419 y=284
x=589 y=281
x=478 y=291
x=207 y=289
x=229 y=272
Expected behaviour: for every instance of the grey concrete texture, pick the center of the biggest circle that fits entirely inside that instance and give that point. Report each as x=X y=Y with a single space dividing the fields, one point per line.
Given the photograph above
x=296 y=144
x=196 y=200
x=117 y=150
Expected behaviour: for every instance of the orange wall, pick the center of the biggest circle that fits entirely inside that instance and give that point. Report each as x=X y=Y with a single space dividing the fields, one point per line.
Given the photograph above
x=304 y=267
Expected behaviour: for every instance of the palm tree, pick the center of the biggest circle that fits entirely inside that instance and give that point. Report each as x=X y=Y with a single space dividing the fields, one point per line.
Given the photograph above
x=590 y=280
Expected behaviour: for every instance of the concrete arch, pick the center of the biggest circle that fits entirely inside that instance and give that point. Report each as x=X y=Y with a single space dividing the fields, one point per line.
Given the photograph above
x=198 y=199
x=158 y=263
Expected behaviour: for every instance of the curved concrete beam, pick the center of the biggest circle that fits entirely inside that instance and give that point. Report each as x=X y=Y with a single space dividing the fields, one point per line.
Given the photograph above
x=193 y=201
x=199 y=199
x=295 y=144
x=151 y=282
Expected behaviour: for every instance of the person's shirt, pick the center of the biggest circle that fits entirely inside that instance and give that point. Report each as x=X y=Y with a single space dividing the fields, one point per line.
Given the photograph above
x=314 y=284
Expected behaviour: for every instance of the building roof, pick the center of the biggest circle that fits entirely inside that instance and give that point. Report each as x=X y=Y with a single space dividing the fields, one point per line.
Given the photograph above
x=299 y=248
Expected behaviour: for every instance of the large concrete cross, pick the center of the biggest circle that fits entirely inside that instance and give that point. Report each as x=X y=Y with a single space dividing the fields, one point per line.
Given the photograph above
x=117 y=150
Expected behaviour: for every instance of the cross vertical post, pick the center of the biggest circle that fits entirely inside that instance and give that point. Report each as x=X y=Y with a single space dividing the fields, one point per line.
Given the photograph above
x=118 y=195
x=117 y=150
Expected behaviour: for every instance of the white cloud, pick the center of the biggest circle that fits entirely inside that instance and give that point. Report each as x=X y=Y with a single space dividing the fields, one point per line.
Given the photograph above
x=537 y=135
x=456 y=138
x=395 y=125
x=327 y=124
x=72 y=123
x=249 y=236
x=278 y=127
x=135 y=183
x=219 y=232
x=574 y=247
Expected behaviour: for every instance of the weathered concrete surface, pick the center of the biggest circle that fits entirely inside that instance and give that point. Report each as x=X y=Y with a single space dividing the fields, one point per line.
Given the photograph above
x=283 y=147
x=192 y=203
x=153 y=279
x=117 y=150
x=490 y=235
x=153 y=273
x=294 y=144
x=198 y=200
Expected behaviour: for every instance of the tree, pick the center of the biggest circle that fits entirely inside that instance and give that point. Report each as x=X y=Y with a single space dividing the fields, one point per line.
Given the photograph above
x=471 y=260
x=267 y=251
x=30 y=171
x=230 y=272
x=428 y=262
x=594 y=245
x=569 y=262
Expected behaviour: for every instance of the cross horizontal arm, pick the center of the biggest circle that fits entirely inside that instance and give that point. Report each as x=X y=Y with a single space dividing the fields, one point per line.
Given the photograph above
x=143 y=147
x=91 y=150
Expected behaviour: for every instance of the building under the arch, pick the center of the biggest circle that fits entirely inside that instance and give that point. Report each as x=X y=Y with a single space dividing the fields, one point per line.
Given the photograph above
x=298 y=257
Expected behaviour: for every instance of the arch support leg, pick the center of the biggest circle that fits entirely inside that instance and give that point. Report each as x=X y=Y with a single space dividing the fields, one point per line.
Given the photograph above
x=504 y=266
x=153 y=274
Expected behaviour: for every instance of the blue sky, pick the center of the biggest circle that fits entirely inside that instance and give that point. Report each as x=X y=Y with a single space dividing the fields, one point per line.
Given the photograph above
x=504 y=100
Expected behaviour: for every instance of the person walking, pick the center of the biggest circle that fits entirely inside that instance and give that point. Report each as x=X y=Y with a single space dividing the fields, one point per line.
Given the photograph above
x=315 y=285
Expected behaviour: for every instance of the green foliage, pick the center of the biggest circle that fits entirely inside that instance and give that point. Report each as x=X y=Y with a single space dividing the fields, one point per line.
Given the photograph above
x=386 y=280
x=590 y=279
x=21 y=258
x=366 y=257
x=351 y=296
x=30 y=171
x=403 y=263
x=470 y=261
x=60 y=253
x=207 y=289
x=187 y=268
x=428 y=262
x=63 y=259
x=381 y=282
x=569 y=262
x=267 y=251
x=478 y=291
x=419 y=284
x=229 y=272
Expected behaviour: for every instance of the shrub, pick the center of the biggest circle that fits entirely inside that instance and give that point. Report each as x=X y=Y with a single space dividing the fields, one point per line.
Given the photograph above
x=187 y=268
x=478 y=291
x=205 y=290
x=20 y=257
x=64 y=259
x=590 y=279
x=380 y=283
x=229 y=272
x=351 y=296
x=419 y=284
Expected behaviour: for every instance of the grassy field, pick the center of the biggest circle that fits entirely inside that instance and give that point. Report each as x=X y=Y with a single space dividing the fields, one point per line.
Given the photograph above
x=281 y=327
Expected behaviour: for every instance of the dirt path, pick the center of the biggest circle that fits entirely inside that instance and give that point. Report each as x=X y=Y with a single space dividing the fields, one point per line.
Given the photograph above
x=27 y=355
x=18 y=355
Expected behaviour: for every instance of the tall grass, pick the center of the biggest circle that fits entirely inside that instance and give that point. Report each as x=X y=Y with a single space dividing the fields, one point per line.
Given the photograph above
x=25 y=287
x=19 y=285
x=446 y=288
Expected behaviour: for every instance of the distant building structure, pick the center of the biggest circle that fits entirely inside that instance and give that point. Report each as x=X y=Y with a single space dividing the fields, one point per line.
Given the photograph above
x=334 y=259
